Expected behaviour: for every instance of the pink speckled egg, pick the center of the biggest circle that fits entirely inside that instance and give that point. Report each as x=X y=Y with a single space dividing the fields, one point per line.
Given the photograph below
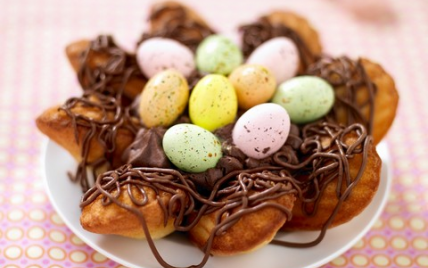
x=262 y=130
x=159 y=54
x=280 y=55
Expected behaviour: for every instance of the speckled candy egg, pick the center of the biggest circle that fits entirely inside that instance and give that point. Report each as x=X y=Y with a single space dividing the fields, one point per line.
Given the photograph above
x=254 y=84
x=280 y=55
x=191 y=148
x=217 y=54
x=213 y=102
x=306 y=98
x=262 y=130
x=163 y=99
x=158 y=54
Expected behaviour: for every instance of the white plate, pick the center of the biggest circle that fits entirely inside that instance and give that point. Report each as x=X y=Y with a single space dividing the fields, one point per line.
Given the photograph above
x=177 y=250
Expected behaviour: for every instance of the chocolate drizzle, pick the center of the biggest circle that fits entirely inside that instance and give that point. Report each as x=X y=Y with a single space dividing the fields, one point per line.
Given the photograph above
x=177 y=24
x=355 y=92
x=235 y=195
x=324 y=156
x=255 y=34
x=103 y=87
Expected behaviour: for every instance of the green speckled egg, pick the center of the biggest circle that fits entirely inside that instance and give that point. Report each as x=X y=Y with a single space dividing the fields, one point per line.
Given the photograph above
x=213 y=102
x=164 y=98
x=306 y=98
x=191 y=148
x=217 y=54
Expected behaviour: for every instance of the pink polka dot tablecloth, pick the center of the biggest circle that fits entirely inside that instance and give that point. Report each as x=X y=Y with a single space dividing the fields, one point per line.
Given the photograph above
x=34 y=75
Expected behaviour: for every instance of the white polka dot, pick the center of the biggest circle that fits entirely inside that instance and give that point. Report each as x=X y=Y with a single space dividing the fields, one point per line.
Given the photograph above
x=399 y=243
x=417 y=224
x=381 y=261
x=38 y=185
x=76 y=240
x=37 y=215
x=378 y=224
x=14 y=234
x=19 y=187
x=55 y=266
x=420 y=243
x=39 y=198
x=407 y=179
x=393 y=197
x=57 y=236
x=415 y=207
x=2 y=187
x=11 y=266
x=403 y=260
x=33 y=266
x=393 y=209
x=17 y=199
x=422 y=261
x=360 y=260
x=13 y=252
x=378 y=242
x=359 y=244
x=396 y=223
x=20 y=159
x=34 y=252
x=57 y=219
x=56 y=253
x=15 y=215
x=78 y=256
x=36 y=233
x=339 y=261
x=98 y=257
x=410 y=196
x=20 y=173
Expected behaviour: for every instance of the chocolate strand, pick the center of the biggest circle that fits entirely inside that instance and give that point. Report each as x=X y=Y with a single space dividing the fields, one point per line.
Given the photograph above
x=254 y=34
x=178 y=26
x=350 y=80
x=103 y=93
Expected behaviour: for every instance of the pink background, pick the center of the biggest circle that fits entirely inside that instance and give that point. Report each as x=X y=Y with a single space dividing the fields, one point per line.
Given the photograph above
x=34 y=74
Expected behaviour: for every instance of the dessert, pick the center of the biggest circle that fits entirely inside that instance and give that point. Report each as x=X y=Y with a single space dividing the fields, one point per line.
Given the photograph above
x=185 y=148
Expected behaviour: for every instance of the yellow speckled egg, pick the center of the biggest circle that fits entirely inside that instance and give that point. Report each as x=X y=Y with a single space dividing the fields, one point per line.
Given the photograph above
x=213 y=102
x=253 y=83
x=164 y=98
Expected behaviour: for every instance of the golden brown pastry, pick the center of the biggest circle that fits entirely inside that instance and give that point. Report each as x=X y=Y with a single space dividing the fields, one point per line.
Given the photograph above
x=361 y=194
x=250 y=232
x=301 y=26
x=163 y=12
x=56 y=124
x=386 y=99
x=283 y=24
x=100 y=58
x=365 y=93
x=113 y=219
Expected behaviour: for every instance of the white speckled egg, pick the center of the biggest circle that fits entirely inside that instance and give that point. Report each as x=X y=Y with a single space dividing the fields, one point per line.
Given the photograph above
x=191 y=148
x=280 y=55
x=262 y=130
x=158 y=54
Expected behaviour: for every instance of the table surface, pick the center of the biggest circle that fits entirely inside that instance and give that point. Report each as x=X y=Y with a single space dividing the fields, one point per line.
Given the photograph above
x=34 y=75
